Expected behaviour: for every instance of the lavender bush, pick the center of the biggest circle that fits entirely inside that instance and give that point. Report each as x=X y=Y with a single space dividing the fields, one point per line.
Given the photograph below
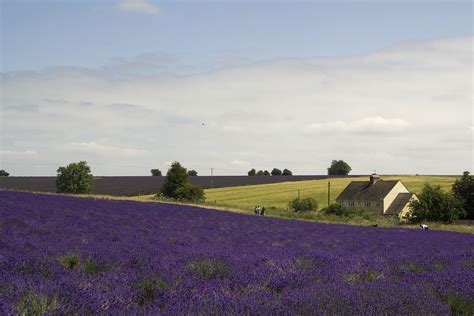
x=72 y=255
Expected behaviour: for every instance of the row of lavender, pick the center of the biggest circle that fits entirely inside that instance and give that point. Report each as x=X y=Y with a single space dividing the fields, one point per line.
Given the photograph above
x=130 y=186
x=71 y=255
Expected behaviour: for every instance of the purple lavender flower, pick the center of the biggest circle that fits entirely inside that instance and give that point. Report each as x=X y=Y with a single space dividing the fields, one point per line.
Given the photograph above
x=73 y=255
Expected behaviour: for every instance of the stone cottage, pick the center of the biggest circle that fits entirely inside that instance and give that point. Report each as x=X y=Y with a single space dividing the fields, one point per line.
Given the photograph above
x=387 y=197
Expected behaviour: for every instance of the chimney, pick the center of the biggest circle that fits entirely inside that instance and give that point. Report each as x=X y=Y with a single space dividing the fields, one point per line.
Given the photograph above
x=374 y=178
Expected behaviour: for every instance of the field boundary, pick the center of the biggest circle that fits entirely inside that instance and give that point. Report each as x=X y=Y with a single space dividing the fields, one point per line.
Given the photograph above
x=143 y=185
x=457 y=227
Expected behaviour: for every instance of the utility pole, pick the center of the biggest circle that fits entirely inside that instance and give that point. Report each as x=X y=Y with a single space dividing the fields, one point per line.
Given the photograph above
x=329 y=193
x=212 y=178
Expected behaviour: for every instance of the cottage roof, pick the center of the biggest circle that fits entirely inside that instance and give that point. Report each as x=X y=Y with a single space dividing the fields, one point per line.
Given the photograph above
x=363 y=190
x=399 y=203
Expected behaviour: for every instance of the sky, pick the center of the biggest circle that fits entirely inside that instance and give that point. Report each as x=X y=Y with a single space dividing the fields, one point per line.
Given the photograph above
x=131 y=85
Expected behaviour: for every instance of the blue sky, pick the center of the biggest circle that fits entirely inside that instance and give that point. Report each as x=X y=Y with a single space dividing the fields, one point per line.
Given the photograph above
x=40 y=34
x=127 y=84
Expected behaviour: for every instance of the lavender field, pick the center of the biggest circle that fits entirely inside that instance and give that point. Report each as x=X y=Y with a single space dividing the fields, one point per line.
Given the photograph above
x=73 y=255
x=142 y=185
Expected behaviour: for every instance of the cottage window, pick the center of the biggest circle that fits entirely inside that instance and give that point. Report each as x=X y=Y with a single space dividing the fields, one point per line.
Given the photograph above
x=367 y=203
x=351 y=203
x=378 y=204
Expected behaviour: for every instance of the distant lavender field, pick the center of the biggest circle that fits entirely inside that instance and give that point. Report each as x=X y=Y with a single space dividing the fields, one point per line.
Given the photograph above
x=129 y=186
x=72 y=255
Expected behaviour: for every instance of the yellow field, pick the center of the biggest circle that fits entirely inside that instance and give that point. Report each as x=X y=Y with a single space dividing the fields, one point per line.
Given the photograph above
x=278 y=195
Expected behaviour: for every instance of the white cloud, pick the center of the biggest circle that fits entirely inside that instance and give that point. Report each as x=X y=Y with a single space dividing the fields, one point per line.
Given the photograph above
x=417 y=97
x=139 y=6
x=16 y=153
x=94 y=147
x=376 y=125
x=237 y=162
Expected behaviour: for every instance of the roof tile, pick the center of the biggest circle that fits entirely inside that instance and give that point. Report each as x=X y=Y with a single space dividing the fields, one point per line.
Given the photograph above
x=399 y=203
x=362 y=190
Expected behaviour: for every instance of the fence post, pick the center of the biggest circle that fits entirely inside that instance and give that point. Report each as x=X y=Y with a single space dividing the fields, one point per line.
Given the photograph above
x=329 y=193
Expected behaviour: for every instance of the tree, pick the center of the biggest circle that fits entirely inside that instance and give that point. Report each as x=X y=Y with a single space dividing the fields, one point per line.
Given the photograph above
x=463 y=189
x=189 y=192
x=75 y=178
x=3 y=173
x=339 y=210
x=266 y=173
x=339 y=168
x=287 y=172
x=252 y=172
x=260 y=173
x=276 y=172
x=155 y=172
x=177 y=185
x=435 y=205
x=303 y=205
x=192 y=173
x=176 y=177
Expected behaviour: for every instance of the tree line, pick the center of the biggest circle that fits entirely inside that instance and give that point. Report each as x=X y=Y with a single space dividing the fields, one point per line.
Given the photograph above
x=338 y=167
x=76 y=178
x=157 y=173
x=275 y=172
